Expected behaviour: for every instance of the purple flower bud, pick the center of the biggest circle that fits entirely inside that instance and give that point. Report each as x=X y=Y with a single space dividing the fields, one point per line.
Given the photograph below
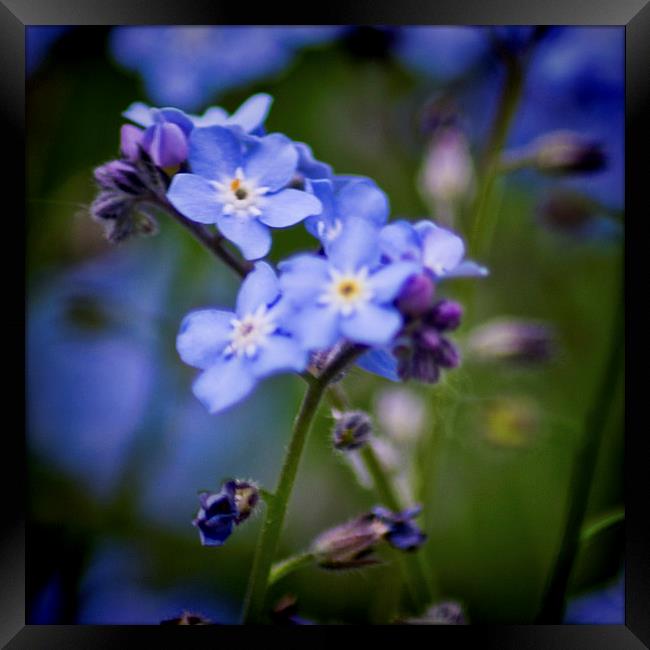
x=401 y=532
x=352 y=430
x=445 y=315
x=515 y=340
x=565 y=152
x=447 y=354
x=119 y=175
x=416 y=295
x=130 y=141
x=166 y=143
x=429 y=338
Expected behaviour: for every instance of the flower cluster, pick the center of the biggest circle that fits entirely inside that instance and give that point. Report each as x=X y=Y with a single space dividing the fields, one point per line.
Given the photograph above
x=367 y=283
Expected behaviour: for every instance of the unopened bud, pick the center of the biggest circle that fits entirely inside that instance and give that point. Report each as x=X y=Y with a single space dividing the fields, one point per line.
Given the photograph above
x=416 y=295
x=352 y=430
x=445 y=613
x=445 y=315
x=516 y=340
x=565 y=152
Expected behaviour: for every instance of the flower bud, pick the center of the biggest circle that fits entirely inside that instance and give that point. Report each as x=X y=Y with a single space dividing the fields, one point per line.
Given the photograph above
x=166 y=143
x=352 y=430
x=445 y=613
x=567 y=211
x=565 y=152
x=445 y=315
x=401 y=533
x=221 y=511
x=416 y=295
x=130 y=141
x=510 y=339
x=350 y=545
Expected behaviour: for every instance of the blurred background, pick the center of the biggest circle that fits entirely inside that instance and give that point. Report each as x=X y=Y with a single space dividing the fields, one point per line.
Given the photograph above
x=118 y=445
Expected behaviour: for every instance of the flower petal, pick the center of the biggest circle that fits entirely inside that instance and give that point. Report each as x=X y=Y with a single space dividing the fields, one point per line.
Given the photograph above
x=166 y=144
x=356 y=246
x=195 y=197
x=260 y=287
x=301 y=277
x=139 y=113
x=362 y=198
x=252 y=113
x=380 y=362
x=252 y=237
x=280 y=354
x=203 y=335
x=372 y=325
x=215 y=151
x=442 y=250
x=224 y=384
x=399 y=240
x=271 y=161
x=288 y=207
x=467 y=269
x=387 y=282
x=316 y=327
x=174 y=116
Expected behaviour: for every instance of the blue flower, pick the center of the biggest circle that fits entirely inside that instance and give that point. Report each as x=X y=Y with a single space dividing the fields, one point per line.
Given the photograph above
x=343 y=198
x=401 y=532
x=187 y=66
x=348 y=294
x=240 y=185
x=38 y=41
x=167 y=129
x=235 y=350
x=216 y=516
x=439 y=251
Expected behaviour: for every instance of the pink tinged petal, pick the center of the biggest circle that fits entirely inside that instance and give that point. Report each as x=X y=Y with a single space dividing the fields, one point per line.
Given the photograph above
x=272 y=161
x=280 y=354
x=372 y=325
x=194 y=197
x=387 y=282
x=215 y=152
x=166 y=144
x=252 y=237
x=140 y=114
x=302 y=277
x=130 y=141
x=362 y=198
x=316 y=327
x=203 y=336
x=442 y=250
x=224 y=384
x=252 y=113
x=260 y=287
x=288 y=207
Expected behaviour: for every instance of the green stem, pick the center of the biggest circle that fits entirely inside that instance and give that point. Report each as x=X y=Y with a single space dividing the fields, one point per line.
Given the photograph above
x=489 y=166
x=276 y=510
x=412 y=564
x=603 y=522
x=584 y=465
x=283 y=568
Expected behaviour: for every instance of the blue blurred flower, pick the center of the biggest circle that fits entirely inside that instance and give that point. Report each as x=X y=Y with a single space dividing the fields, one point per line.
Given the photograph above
x=187 y=66
x=38 y=41
x=348 y=294
x=401 y=532
x=344 y=198
x=235 y=350
x=605 y=606
x=241 y=186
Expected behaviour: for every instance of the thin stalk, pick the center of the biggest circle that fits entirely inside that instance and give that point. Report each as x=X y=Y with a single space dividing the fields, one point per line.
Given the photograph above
x=276 y=510
x=489 y=165
x=411 y=564
x=283 y=568
x=213 y=242
x=584 y=465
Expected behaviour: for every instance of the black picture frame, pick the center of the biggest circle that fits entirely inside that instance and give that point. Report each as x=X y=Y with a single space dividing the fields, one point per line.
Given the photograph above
x=634 y=15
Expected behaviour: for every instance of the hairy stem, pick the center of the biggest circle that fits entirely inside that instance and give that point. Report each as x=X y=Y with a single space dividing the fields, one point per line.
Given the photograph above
x=283 y=568
x=276 y=510
x=584 y=465
x=213 y=242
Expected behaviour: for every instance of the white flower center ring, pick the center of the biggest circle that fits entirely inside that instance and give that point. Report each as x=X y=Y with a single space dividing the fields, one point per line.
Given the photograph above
x=250 y=332
x=240 y=196
x=347 y=292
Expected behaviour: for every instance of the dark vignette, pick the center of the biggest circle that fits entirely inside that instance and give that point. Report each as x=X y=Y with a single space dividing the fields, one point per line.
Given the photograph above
x=15 y=14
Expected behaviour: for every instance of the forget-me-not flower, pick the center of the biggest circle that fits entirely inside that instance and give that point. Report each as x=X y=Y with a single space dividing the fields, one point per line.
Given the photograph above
x=343 y=198
x=166 y=130
x=348 y=294
x=235 y=350
x=240 y=185
x=439 y=251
